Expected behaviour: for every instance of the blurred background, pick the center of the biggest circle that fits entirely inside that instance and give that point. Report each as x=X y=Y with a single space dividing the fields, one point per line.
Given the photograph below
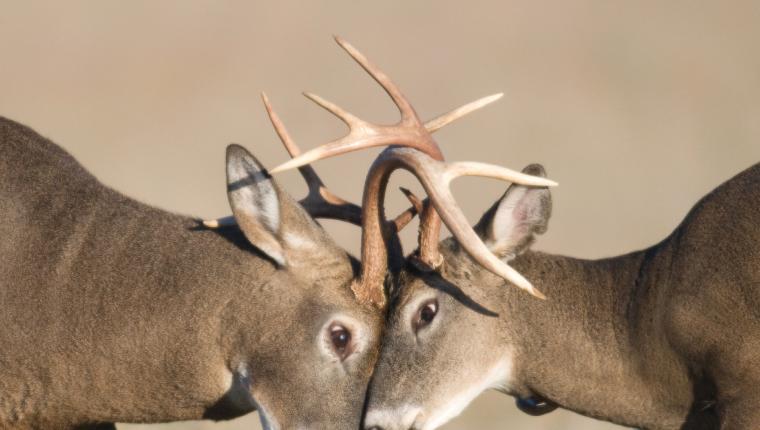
x=637 y=108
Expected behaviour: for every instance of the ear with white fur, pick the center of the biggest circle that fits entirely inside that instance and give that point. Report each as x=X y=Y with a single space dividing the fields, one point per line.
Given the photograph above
x=509 y=227
x=269 y=217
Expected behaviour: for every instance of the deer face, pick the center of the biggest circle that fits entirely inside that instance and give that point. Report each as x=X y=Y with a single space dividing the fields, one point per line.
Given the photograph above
x=313 y=369
x=421 y=382
x=305 y=346
x=445 y=340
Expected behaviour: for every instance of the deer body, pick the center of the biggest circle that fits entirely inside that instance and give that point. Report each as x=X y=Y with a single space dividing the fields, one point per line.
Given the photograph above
x=658 y=337
x=663 y=338
x=89 y=330
x=111 y=310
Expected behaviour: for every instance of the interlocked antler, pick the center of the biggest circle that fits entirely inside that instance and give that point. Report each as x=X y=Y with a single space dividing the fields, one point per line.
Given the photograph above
x=409 y=131
x=413 y=149
x=319 y=202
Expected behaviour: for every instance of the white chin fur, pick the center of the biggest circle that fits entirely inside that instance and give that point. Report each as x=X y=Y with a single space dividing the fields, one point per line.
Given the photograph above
x=498 y=377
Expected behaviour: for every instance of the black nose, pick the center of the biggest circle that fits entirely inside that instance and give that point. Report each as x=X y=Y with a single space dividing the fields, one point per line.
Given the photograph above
x=374 y=428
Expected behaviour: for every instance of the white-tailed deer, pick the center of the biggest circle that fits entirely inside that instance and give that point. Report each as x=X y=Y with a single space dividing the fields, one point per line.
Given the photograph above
x=115 y=311
x=663 y=338
x=112 y=310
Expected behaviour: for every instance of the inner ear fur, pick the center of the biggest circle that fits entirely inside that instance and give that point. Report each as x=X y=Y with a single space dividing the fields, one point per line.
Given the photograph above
x=270 y=218
x=509 y=227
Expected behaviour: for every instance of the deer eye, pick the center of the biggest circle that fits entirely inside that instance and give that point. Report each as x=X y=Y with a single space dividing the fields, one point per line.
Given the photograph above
x=425 y=315
x=340 y=337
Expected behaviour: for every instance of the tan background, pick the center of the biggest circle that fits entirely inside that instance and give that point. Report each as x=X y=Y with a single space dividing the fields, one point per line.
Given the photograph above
x=636 y=108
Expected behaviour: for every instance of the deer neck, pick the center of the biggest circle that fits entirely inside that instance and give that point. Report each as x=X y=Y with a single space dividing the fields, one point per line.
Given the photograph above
x=597 y=345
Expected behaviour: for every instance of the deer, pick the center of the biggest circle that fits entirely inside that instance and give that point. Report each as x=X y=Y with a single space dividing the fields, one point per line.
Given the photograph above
x=117 y=311
x=666 y=337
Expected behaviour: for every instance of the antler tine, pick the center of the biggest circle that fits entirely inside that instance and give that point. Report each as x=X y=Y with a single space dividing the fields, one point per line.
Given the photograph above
x=413 y=199
x=441 y=121
x=408 y=115
x=354 y=141
x=472 y=168
x=404 y=218
x=407 y=216
x=334 y=109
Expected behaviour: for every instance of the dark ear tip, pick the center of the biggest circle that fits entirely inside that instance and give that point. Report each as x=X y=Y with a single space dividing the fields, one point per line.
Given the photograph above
x=234 y=146
x=238 y=152
x=535 y=169
x=234 y=149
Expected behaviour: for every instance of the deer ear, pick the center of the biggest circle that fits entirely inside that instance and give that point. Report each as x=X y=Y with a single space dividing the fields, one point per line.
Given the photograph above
x=269 y=217
x=509 y=227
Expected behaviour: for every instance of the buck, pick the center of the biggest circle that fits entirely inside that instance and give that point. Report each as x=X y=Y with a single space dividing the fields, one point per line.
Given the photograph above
x=115 y=311
x=662 y=338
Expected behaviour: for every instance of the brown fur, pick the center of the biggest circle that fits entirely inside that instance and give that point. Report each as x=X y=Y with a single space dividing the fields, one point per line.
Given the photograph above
x=663 y=338
x=111 y=310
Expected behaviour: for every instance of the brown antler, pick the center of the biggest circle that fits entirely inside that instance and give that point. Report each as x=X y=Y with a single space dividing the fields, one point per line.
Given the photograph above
x=423 y=158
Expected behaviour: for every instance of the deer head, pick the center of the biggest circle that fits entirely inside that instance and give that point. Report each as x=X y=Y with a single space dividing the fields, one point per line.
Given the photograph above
x=312 y=338
x=397 y=400
x=332 y=358
x=447 y=335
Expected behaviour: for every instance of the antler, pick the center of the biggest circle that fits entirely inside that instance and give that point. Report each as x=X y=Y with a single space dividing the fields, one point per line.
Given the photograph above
x=319 y=202
x=423 y=158
x=408 y=131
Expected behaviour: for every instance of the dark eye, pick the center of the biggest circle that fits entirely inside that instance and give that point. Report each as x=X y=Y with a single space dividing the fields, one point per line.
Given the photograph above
x=341 y=341
x=425 y=314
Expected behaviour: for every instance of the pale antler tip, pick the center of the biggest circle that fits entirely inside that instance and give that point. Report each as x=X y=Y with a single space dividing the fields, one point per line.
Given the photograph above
x=524 y=284
x=211 y=223
x=413 y=199
x=441 y=121
x=219 y=222
x=282 y=167
x=341 y=41
x=538 y=294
